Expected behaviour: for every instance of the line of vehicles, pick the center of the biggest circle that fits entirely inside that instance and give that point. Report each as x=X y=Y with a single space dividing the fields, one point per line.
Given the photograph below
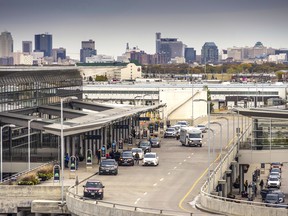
x=188 y=135
x=94 y=188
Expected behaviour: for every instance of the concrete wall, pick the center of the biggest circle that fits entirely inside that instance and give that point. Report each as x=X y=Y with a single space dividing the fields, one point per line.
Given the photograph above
x=262 y=156
x=79 y=207
x=14 y=196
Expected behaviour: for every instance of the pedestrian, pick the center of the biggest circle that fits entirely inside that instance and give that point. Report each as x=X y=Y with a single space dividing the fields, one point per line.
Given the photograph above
x=77 y=161
x=98 y=155
x=255 y=190
x=136 y=158
x=66 y=159
x=261 y=184
x=246 y=185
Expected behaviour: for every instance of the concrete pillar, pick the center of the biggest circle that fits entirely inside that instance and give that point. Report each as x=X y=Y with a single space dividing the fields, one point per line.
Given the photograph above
x=73 y=145
x=234 y=171
x=81 y=144
x=223 y=191
x=229 y=181
x=241 y=178
x=20 y=213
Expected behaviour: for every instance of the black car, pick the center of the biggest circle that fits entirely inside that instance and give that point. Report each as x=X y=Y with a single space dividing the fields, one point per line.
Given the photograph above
x=126 y=158
x=93 y=189
x=272 y=198
x=145 y=145
x=155 y=142
x=108 y=166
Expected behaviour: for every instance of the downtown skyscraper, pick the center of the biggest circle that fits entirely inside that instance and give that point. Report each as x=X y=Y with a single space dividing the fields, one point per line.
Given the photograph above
x=6 y=45
x=87 y=50
x=43 y=43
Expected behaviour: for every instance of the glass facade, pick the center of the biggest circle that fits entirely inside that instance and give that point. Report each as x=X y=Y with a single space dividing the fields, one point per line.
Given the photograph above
x=27 y=89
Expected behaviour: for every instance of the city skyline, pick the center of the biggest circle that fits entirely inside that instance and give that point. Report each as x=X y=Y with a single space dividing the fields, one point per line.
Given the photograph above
x=112 y=24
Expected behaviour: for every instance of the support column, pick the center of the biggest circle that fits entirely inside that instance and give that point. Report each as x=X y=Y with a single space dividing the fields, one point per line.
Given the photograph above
x=222 y=191
x=73 y=145
x=229 y=181
x=241 y=178
x=234 y=171
x=81 y=145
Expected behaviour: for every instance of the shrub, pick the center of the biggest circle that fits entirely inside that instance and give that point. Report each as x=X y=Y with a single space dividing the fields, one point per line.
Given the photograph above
x=29 y=179
x=45 y=173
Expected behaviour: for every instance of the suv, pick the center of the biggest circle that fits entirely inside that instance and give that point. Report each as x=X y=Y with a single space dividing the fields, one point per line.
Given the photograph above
x=108 y=166
x=203 y=128
x=93 y=189
x=145 y=145
x=150 y=158
x=272 y=198
x=171 y=132
x=273 y=182
x=126 y=158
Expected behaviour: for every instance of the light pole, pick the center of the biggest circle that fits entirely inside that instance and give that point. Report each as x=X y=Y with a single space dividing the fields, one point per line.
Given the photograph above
x=217 y=123
x=213 y=132
x=29 y=145
x=62 y=146
x=209 y=159
x=222 y=117
x=135 y=99
x=1 y=145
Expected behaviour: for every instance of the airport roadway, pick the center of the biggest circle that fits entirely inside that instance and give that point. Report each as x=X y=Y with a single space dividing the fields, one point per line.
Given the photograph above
x=172 y=185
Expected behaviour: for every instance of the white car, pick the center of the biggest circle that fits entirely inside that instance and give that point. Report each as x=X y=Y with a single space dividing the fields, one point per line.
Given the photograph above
x=150 y=158
x=183 y=123
x=203 y=128
x=274 y=182
x=140 y=152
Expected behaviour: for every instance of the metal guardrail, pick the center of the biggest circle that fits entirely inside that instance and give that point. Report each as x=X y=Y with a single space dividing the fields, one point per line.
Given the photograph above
x=249 y=204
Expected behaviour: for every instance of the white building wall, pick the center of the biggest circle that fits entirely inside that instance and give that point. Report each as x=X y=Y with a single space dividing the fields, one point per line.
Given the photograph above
x=132 y=71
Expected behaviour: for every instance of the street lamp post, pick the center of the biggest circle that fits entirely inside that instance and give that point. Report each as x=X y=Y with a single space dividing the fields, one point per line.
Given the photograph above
x=29 y=145
x=213 y=155
x=1 y=145
x=62 y=146
x=222 y=117
x=209 y=159
x=217 y=123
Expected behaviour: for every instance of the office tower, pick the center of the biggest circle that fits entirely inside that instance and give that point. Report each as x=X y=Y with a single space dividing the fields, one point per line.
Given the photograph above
x=209 y=53
x=26 y=46
x=169 y=46
x=190 y=55
x=6 y=44
x=59 y=53
x=43 y=43
x=87 y=50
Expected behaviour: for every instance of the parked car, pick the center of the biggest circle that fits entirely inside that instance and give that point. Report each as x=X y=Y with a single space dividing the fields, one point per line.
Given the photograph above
x=170 y=132
x=93 y=189
x=272 y=198
x=126 y=158
x=108 y=166
x=155 y=142
x=150 y=158
x=145 y=145
x=276 y=165
x=281 y=195
x=203 y=128
x=140 y=152
x=273 y=182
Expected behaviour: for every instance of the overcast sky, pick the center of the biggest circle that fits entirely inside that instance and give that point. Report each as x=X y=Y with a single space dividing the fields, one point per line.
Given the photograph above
x=113 y=23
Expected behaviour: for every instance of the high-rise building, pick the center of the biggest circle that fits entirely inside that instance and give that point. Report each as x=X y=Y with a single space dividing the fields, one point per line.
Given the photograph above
x=87 y=50
x=26 y=46
x=170 y=47
x=59 y=53
x=190 y=55
x=43 y=43
x=6 y=44
x=209 y=53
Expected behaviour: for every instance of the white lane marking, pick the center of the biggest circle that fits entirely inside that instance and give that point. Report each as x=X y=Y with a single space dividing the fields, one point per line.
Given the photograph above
x=145 y=194
x=175 y=167
x=194 y=201
x=161 y=179
x=169 y=173
x=155 y=184
x=180 y=163
x=189 y=157
x=184 y=160
x=137 y=200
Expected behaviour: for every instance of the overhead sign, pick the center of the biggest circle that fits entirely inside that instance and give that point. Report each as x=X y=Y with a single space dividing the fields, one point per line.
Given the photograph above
x=89 y=137
x=144 y=118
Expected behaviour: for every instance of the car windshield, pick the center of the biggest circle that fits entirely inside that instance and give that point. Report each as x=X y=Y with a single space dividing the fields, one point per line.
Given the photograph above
x=272 y=197
x=150 y=156
x=181 y=123
x=171 y=129
x=144 y=144
x=202 y=126
x=107 y=162
x=154 y=139
x=134 y=150
x=195 y=135
x=127 y=154
x=94 y=184
x=275 y=170
x=273 y=179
